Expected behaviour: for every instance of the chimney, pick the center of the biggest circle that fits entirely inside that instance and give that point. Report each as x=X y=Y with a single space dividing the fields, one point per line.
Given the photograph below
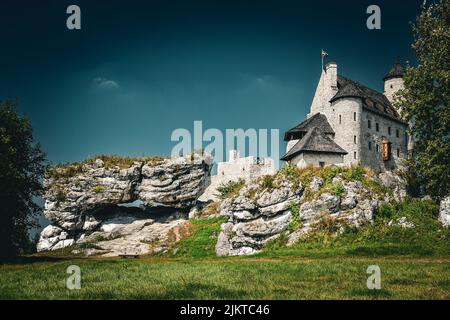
x=331 y=74
x=233 y=155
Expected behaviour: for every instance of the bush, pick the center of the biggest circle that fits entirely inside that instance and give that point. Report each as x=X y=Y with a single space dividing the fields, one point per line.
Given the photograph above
x=98 y=189
x=268 y=182
x=231 y=188
x=296 y=222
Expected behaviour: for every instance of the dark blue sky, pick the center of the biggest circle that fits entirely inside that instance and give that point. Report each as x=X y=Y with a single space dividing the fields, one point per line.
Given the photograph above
x=140 y=69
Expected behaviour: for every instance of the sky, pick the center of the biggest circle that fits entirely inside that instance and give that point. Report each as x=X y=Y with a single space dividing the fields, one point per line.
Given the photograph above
x=138 y=70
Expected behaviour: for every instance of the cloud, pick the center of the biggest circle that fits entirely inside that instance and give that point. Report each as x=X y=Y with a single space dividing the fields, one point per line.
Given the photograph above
x=104 y=83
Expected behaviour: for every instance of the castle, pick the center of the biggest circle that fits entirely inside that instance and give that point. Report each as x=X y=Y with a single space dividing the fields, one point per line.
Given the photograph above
x=350 y=124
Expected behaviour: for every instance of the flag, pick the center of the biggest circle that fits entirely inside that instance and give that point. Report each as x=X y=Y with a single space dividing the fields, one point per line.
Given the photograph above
x=324 y=54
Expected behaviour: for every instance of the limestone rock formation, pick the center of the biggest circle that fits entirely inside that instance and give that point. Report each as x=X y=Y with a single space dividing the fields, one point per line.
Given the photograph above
x=444 y=212
x=259 y=213
x=256 y=216
x=81 y=199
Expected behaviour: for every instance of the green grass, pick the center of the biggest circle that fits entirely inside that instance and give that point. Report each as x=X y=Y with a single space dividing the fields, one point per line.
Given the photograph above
x=414 y=263
x=229 y=278
x=202 y=243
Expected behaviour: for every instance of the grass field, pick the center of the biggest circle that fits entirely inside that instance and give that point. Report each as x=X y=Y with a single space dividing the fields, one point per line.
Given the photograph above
x=414 y=263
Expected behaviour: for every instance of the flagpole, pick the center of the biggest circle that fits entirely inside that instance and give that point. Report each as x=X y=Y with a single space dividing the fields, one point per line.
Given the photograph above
x=321 y=54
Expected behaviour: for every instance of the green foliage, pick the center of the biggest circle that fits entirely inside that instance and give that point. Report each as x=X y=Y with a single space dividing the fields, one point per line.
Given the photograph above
x=22 y=164
x=425 y=100
x=338 y=189
x=98 y=189
x=60 y=195
x=231 y=188
x=296 y=222
x=65 y=171
x=268 y=182
x=354 y=174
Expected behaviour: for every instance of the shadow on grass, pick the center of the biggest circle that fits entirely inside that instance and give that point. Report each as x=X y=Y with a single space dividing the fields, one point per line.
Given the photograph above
x=386 y=250
x=31 y=259
x=196 y=291
x=371 y=294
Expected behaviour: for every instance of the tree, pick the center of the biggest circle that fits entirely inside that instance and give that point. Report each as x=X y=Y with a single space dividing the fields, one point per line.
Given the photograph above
x=22 y=165
x=425 y=101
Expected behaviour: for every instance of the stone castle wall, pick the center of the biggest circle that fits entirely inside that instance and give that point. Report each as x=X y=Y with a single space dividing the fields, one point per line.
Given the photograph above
x=373 y=158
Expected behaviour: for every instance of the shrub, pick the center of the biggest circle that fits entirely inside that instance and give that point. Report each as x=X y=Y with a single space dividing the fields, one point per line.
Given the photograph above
x=268 y=182
x=60 y=195
x=338 y=189
x=98 y=189
x=296 y=222
x=231 y=188
x=354 y=174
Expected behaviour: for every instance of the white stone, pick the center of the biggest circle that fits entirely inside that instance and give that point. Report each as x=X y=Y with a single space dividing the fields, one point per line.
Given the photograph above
x=444 y=212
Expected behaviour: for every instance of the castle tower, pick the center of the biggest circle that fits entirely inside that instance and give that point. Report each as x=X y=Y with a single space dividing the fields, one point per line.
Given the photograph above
x=393 y=82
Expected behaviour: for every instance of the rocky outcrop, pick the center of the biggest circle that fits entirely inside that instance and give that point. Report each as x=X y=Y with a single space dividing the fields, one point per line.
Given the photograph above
x=256 y=216
x=444 y=212
x=259 y=214
x=82 y=199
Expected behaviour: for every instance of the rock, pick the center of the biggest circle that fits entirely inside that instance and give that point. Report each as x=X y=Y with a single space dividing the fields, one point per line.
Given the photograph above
x=362 y=213
x=263 y=227
x=223 y=245
x=259 y=214
x=90 y=223
x=315 y=184
x=404 y=223
x=394 y=181
x=401 y=222
x=51 y=231
x=349 y=201
x=444 y=212
x=63 y=244
x=297 y=235
x=314 y=209
x=337 y=180
x=73 y=199
x=136 y=234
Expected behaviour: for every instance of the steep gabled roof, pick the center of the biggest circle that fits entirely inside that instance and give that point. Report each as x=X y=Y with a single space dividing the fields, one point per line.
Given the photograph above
x=315 y=140
x=372 y=100
x=316 y=121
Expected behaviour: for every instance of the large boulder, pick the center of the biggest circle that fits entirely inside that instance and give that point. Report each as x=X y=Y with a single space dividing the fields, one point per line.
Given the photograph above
x=256 y=216
x=444 y=212
x=78 y=195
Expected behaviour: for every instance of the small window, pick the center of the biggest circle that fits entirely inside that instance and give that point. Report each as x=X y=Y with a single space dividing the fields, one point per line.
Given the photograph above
x=354 y=139
x=354 y=116
x=370 y=145
x=398 y=152
x=321 y=164
x=392 y=87
x=397 y=134
x=389 y=130
x=354 y=155
x=340 y=119
x=377 y=127
x=369 y=124
x=377 y=148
